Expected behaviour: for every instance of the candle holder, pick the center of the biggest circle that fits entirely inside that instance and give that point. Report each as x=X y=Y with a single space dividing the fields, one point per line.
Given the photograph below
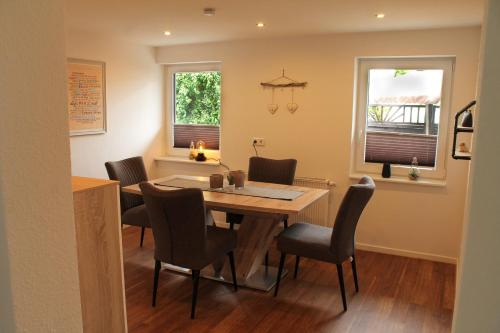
x=200 y=147
x=238 y=178
x=216 y=180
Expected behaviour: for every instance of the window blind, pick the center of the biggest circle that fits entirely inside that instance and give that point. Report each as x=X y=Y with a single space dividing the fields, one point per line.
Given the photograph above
x=184 y=134
x=397 y=148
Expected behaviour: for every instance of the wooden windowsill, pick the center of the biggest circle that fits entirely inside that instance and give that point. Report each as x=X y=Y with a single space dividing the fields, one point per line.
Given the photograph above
x=403 y=180
x=180 y=159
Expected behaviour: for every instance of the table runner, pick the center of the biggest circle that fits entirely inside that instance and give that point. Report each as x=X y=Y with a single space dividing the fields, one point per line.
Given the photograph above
x=253 y=191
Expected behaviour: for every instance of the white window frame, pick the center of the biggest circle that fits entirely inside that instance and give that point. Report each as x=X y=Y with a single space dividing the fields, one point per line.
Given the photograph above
x=358 y=138
x=170 y=72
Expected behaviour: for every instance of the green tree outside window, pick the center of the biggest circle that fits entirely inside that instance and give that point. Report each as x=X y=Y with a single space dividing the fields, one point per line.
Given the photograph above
x=197 y=98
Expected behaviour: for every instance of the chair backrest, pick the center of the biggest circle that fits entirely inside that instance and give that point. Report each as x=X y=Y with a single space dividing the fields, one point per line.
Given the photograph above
x=178 y=221
x=128 y=172
x=267 y=170
x=350 y=210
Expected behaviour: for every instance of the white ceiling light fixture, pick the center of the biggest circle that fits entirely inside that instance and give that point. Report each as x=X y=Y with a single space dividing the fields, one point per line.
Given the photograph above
x=380 y=15
x=260 y=24
x=209 y=11
x=167 y=33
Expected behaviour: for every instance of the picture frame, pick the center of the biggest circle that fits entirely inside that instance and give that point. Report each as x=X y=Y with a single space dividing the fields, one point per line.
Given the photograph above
x=86 y=96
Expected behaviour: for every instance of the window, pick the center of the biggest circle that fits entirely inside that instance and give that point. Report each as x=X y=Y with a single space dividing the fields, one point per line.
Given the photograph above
x=195 y=105
x=401 y=112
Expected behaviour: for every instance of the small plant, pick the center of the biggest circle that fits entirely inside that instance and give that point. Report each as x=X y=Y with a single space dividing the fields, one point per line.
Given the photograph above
x=230 y=179
x=414 y=173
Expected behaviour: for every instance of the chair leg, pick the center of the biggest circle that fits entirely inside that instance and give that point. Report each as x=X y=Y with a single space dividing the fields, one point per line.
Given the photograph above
x=231 y=225
x=285 y=223
x=233 y=270
x=142 y=235
x=155 y=283
x=341 y=283
x=266 y=259
x=355 y=273
x=196 y=279
x=280 y=270
x=297 y=260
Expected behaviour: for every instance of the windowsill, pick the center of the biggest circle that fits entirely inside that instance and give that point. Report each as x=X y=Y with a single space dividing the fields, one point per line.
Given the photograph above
x=403 y=180
x=180 y=159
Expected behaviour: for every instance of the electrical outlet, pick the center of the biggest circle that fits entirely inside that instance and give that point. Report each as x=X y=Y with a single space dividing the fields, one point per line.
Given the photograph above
x=259 y=142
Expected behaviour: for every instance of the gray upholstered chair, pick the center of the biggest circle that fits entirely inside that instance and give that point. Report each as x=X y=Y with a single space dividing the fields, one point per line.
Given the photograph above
x=326 y=244
x=267 y=170
x=181 y=236
x=128 y=172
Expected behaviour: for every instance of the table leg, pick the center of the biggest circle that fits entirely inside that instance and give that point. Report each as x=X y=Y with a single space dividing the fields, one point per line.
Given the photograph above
x=255 y=236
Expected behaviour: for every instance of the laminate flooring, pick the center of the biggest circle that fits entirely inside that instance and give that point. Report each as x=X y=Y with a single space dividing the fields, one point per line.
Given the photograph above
x=397 y=294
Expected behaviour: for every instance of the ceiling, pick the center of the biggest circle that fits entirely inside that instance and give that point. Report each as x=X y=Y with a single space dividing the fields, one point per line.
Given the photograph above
x=145 y=21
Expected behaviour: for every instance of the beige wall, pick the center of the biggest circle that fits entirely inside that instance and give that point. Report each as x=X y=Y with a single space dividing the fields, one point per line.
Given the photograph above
x=39 y=288
x=478 y=294
x=405 y=219
x=134 y=92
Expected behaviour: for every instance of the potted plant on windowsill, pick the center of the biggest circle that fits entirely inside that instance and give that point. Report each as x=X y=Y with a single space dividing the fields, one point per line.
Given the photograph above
x=414 y=173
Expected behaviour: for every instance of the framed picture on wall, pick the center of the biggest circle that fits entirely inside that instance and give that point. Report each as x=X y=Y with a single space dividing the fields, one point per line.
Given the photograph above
x=86 y=96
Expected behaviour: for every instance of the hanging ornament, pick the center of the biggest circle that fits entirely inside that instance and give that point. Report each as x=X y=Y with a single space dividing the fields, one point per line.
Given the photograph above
x=283 y=82
x=292 y=107
x=273 y=107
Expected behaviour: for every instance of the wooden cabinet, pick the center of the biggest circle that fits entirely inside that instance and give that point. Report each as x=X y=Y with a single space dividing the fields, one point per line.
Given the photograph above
x=100 y=259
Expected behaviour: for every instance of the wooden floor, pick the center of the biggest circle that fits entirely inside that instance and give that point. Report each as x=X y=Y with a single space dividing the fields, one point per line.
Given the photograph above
x=397 y=294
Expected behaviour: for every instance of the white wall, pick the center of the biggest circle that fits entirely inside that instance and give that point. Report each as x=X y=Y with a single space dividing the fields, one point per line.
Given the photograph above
x=407 y=218
x=478 y=293
x=134 y=98
x=39 y=287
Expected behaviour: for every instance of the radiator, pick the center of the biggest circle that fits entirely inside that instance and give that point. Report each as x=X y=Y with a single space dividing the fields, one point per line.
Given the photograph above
x=319 y=212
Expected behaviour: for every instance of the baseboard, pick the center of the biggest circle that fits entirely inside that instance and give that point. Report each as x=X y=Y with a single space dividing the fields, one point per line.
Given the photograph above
x=381 y=249
x=406 y=253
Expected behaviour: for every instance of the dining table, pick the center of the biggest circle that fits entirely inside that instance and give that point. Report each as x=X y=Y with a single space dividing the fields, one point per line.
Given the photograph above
x=263 y=205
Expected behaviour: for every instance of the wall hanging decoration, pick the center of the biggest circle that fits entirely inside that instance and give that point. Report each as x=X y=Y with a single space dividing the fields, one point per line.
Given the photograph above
x=272 y=108
x=282 y=82
x=292 y=107
x=86 y=96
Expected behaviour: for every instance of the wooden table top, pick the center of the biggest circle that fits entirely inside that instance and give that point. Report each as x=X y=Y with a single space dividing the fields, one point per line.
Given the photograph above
x=228 y=201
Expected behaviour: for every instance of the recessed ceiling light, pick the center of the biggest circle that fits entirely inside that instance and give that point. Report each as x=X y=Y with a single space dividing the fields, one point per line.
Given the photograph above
x=260 y=25
x=380 y=15
x=167 y=33
x=209 y=11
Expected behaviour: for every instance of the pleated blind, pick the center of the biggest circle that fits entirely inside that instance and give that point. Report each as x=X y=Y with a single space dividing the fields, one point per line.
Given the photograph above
x=397 y=148
x=184 y=134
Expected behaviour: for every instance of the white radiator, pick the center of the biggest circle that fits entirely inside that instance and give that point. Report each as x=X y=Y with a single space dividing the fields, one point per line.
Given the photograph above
x=319 y=212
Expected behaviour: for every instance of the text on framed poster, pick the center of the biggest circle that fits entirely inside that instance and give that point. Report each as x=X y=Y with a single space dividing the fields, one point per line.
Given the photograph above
x=86 y=96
